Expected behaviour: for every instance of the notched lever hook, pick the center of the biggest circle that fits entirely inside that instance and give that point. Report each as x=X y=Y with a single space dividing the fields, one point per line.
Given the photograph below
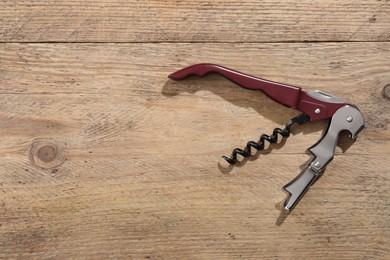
x=315 y=106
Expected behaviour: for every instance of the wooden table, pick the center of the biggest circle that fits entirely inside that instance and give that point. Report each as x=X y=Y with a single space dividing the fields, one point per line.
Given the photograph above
x=103 y=157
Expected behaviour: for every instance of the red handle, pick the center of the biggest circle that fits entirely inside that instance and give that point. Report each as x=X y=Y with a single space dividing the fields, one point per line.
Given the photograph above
x=281 y=93
x=317 y=106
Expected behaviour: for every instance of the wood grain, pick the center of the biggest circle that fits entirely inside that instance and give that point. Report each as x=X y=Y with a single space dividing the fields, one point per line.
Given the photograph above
x=193 y=21
x=102 y=156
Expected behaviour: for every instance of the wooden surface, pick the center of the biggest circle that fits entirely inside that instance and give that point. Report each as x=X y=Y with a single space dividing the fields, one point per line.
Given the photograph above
x=102 y=156
x=193 y=21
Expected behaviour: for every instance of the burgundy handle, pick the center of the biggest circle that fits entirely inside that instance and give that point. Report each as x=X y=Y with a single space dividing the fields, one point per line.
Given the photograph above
x=281 y=93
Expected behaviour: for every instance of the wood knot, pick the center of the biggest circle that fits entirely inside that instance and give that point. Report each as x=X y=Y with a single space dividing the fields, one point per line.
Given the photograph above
x=46 y=153
x=386 y=91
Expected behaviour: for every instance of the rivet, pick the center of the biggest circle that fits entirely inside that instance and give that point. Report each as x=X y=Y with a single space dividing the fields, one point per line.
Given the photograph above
x=317 y=111
x=317 y=165
x=349 y=119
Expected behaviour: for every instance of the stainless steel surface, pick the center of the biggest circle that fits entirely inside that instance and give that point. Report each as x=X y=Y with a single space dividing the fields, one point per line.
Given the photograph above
x=298 y=187
x=325 y=97
x=323 y=152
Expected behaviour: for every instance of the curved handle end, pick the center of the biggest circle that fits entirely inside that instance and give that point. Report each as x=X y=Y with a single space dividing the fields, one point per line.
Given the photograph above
x=199 y=69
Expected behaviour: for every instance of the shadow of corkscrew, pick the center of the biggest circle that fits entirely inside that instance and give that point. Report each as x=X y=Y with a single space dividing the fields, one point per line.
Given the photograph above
x=260 y=103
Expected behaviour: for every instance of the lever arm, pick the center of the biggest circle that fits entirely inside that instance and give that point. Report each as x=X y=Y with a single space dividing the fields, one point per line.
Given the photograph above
x=281 y=93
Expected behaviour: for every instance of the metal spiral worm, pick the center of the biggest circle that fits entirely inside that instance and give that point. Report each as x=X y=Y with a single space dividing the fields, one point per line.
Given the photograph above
x=284 y=133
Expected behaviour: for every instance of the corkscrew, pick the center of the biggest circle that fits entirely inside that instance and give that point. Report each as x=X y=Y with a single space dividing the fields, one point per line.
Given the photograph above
x=284 y=133
x=314 y=105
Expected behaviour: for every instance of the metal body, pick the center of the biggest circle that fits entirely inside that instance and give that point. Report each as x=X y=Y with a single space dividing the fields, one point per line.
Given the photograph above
x=315 y=106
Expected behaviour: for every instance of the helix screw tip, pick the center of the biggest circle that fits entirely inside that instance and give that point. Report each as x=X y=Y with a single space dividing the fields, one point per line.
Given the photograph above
x=229 y=160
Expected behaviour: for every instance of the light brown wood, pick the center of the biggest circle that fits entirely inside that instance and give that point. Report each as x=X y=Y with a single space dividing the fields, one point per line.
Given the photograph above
x=193 y=21
x=103 y=156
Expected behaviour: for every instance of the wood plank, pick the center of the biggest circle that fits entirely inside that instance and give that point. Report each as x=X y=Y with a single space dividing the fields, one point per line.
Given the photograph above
x=193 y=21
x=102 y=156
